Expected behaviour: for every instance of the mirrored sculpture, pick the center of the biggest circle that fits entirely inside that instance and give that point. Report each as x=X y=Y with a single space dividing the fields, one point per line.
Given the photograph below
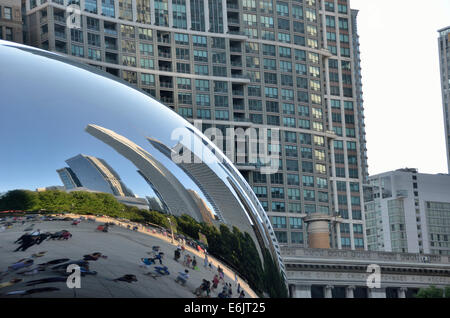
x=99 y=179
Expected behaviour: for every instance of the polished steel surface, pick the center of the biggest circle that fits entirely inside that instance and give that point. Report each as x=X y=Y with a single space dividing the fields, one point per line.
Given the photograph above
x=61 y=120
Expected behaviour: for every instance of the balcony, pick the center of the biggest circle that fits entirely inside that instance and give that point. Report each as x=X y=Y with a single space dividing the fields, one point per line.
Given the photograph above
x=61 y=47
x=111 y=32
x=238 y=92
x=235 y=31
x=44 y=36
x=59 y=18
x=165 y=82
x=233 y=4
x=60 y=34
x=236 y=63
x=233 y=20
x=236 y=49
x=236 y=60
x=165 y=66
x=167 y=100
x=241 y=119
x=163 y=54
x=238 y=104
x=111 y=46
x=163 y=37
x=236 y=73
x=110 y=43
x=111 y=58
x=110 y=28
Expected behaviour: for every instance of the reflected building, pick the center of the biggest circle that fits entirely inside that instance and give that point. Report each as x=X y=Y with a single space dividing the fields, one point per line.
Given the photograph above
x=68 y=178
x=207 y=215
x=217 y=189
x=92 y=173
x=172 y=153
x=169 y=188
x=11 y=26
x=155 y=204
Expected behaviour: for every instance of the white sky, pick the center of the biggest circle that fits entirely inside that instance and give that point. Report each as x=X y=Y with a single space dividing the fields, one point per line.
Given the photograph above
x=401 y=83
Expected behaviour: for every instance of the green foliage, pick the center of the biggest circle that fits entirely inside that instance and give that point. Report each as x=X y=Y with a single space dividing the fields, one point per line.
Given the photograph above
x=239 y=251
x=447 y=292
x=189 y=226
x=273 y=279
x=19 y=200
x=431 y=292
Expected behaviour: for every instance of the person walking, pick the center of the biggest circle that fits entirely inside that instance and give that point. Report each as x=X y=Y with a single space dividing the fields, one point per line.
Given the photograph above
x=182 y=277
x=188 y=261
x=205 y=262
x=27 y=242
x=215 y=282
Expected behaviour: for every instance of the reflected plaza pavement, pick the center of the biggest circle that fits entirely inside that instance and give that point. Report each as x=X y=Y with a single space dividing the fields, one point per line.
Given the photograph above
x=123 y=247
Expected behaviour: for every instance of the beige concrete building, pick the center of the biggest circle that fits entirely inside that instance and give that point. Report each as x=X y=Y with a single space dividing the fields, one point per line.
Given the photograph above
x=11 y=21
x=332 y=273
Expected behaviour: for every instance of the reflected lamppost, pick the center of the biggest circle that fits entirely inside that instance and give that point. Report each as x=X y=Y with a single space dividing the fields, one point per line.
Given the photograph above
x=171 y=229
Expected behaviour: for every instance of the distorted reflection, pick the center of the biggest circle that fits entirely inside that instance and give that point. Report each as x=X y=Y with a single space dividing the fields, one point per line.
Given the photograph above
x=92 y=176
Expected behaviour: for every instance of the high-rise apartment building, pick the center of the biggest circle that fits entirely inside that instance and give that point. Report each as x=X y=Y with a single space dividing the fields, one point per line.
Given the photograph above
x=11 y=20
x=409 y=212
x=444 y=59
x=291 y=65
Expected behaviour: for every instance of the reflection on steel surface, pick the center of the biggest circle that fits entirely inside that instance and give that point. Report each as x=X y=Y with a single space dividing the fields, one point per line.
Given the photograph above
x=114 y=139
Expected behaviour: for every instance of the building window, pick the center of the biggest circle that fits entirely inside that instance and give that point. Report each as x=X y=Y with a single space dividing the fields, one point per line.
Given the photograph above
x=108 y=8
x=8 y=34
x=279 y=222
x=77 y=50
x=148 y=79
x=296 y=237
x=161 y=12
x=295 y=223
x=185 y=112
x=281 y=237
x=7 y=13
x=179 y=14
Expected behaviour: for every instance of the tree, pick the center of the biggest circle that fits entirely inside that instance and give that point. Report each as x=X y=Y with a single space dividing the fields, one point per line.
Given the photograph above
x=273 y=279
x=23 y=200
x=447 y=292
x=431 y=292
